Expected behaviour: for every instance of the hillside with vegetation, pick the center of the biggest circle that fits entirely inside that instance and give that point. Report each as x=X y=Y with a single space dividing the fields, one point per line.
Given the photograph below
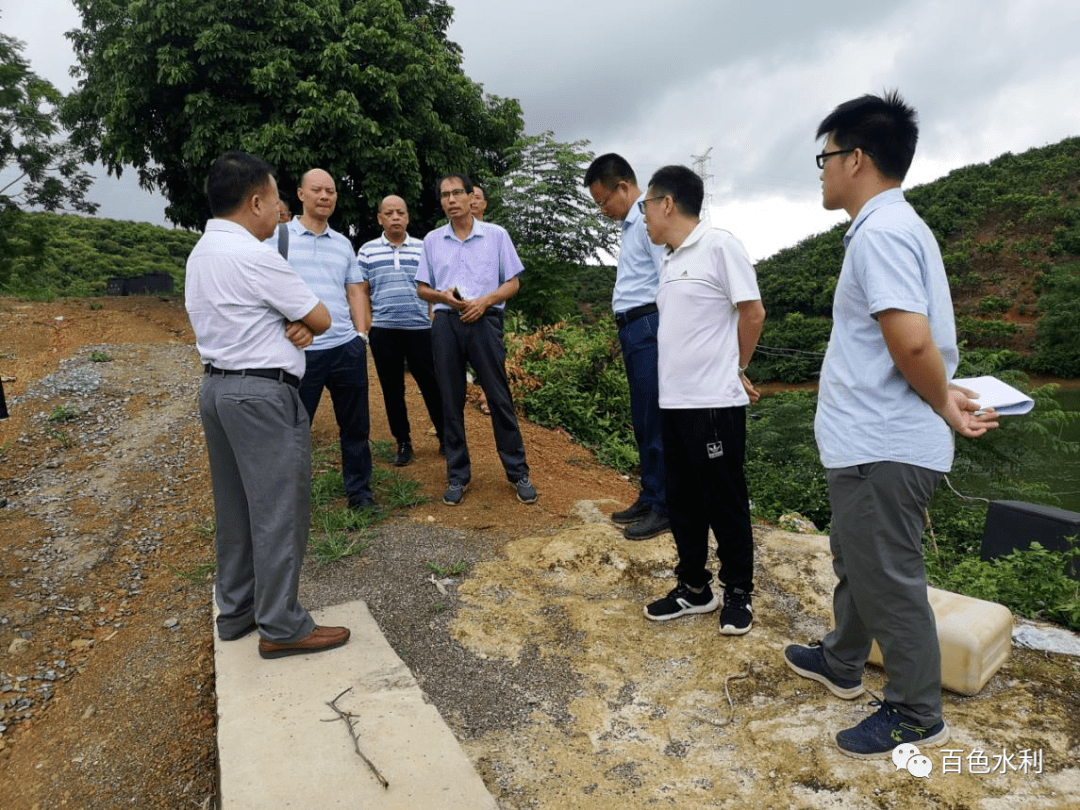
x=1009 y=232
x=67 y=255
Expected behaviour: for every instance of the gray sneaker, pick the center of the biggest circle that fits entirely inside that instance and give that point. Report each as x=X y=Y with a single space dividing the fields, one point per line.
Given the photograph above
x=526 y=492
x=809 y=661
x=454 y=494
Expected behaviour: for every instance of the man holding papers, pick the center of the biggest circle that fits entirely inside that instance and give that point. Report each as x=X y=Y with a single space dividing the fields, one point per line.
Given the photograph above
x=884 y=427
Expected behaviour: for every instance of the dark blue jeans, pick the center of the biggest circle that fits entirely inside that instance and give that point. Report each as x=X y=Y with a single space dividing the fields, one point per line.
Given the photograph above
x=343 y=370
x=638 y=340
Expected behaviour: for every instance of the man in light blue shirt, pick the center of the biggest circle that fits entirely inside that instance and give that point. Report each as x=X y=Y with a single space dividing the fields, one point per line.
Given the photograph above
x=400 y=323
x=468 y=270
x=884 y=425
x=336 y=359
x=613 y=187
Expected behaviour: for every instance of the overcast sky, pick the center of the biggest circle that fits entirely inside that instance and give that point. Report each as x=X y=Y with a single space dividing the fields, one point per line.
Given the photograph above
x=661 y=82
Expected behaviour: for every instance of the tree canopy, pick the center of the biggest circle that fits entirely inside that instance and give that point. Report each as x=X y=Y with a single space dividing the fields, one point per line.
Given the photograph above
x=372 y=91
x=48 y=172
x=39 y=169
x=554 y=224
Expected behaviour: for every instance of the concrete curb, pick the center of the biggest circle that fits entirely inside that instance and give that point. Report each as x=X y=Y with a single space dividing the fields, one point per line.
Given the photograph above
x=275 y=749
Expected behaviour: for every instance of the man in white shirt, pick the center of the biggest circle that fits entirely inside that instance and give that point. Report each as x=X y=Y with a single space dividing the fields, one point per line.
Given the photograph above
x=252 y=316
x=710 y=319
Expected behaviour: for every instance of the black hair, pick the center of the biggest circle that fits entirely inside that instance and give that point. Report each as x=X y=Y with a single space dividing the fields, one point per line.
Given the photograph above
x=683 y=185
x=884 y=127
x=476 y=186
x=233 y=178
x=610 y=170
x=464 y=178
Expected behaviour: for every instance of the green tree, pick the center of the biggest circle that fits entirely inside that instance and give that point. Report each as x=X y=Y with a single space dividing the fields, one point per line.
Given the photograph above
x=370 y=90
x=39 y=169
x=555 y=226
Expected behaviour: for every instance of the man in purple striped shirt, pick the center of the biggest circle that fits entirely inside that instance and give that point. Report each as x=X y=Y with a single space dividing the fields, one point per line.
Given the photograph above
x=468 y=270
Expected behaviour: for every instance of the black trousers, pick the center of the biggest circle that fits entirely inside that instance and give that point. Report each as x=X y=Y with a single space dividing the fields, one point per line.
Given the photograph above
x=453 y=344
x=704 y=452
x=391 y=349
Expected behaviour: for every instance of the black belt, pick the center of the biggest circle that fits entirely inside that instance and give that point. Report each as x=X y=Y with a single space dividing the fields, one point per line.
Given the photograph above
x=631 y=315
x=269 y=373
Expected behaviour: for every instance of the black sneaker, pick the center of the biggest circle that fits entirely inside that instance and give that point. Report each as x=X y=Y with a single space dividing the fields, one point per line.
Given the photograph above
x=526 y=492
x=633 y=514
x=808 y=660
x=680 y=602
x=404 y=454
x=737 y=617
x=881 y=732
x=454 y=494
x=649 y=526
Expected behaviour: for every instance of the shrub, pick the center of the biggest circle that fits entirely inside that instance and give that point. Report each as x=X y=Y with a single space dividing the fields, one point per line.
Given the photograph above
x=1033 y=582
x=783 y=471
x=573 y=377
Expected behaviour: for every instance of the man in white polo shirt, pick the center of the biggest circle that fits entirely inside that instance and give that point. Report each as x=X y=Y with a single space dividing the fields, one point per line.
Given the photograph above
x=252 y=316
x=710 y=319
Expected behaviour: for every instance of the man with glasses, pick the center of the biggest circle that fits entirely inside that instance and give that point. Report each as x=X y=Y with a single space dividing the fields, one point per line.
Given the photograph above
x=710 y=319
x=884 y=425
x=613 y=187
x=468 y=270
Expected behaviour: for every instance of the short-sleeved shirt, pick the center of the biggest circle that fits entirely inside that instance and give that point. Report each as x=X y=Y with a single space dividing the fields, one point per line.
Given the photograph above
x=477 y=266
x=390 y=270
x=638 y=273
x=326 y=262
x=240 y=294
x=867 y=411
x=701 y=284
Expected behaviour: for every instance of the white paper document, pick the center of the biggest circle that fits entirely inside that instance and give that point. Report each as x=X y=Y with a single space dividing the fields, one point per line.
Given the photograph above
x=1002 y=397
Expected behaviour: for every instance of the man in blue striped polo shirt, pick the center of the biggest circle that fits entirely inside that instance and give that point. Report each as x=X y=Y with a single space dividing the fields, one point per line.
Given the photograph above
x=400 y=323
x=336 y=359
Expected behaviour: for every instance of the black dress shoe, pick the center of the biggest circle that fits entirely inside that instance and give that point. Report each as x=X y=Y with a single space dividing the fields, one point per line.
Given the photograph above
x=362 y=503
x=633 y=514
x=404 y=454
x=649 y=526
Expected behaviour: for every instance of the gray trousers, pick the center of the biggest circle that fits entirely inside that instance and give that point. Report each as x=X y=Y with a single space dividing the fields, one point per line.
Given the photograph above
x=259 y=446
x=877 y=524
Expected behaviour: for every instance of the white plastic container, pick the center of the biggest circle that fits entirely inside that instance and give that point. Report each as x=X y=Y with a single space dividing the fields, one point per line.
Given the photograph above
x=975 y=638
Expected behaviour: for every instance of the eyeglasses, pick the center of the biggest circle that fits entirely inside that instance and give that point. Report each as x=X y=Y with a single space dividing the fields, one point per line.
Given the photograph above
x=641 y=203
x=826 y=155
x=454 y=192
x=611 y=194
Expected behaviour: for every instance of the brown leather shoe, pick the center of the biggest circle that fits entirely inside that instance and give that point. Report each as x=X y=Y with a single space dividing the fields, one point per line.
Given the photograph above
x=319 y=639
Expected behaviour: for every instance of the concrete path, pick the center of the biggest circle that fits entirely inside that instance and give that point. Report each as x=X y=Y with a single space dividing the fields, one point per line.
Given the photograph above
x=277 y=750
